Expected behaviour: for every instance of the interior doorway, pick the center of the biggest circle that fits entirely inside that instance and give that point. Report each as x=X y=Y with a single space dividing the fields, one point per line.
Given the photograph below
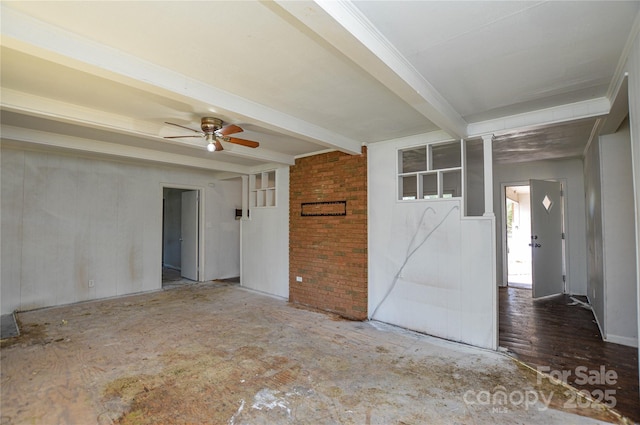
x=180 y=236
x=534 y=237
x=518 y=236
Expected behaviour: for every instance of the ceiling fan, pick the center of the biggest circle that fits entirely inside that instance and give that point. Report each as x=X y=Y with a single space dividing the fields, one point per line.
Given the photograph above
x=214 y=132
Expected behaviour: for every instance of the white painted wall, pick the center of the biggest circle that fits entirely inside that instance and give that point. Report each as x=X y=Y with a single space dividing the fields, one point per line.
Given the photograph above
x=572 y=171
x=265 y=243
x=621 y=325
x=633 y=69
x=595 y=262
x=68 y=219
x=430 y=270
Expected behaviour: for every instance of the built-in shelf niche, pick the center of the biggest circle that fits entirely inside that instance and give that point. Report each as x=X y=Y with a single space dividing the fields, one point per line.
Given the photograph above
x=262 y=189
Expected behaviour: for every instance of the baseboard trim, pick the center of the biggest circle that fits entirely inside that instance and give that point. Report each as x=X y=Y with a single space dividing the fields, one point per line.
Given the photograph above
x=623 y=340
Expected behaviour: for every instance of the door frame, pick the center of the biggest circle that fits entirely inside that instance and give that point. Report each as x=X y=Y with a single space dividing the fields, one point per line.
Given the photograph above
x=505 y=239
x=201 y=215
x=503 y=226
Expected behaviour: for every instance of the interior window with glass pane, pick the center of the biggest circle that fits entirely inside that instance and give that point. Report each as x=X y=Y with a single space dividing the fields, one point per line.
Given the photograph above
x=414 y=160
x=432 y=171
x=452 y=184
x=445 y=156
x=430 y=186
x=409 y=187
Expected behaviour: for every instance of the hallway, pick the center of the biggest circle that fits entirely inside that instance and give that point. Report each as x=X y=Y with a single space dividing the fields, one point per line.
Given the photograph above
x=551 y=333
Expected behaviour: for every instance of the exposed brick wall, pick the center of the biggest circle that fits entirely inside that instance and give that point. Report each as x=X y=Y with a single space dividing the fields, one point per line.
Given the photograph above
x=329 y=252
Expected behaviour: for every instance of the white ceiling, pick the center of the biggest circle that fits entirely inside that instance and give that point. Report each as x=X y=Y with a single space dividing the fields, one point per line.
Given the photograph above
x=303 y=77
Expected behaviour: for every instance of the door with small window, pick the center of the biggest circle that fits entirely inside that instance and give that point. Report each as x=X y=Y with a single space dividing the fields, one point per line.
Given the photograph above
x=546 y=238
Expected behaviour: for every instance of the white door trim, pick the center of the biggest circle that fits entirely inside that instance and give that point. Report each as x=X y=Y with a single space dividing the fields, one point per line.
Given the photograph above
x=503 y=226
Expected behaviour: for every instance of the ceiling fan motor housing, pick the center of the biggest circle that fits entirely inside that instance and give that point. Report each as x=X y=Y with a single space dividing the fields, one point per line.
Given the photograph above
x=210 y=125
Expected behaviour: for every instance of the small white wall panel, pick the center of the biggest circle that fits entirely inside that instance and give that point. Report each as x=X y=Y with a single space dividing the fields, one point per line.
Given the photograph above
x=479 y=303
x=265 y=243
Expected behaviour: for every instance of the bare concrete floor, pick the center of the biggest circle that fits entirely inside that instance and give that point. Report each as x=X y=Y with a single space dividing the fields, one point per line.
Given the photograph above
x=219 y=354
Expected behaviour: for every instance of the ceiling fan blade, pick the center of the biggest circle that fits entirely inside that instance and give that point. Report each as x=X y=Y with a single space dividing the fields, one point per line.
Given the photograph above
x=186 y=128
x=229 y=129
x=179 y=137
x=243 y=142
x=219 y=146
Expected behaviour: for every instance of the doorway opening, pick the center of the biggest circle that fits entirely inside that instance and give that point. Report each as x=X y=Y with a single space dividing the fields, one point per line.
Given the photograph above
x=533 y=236
x=180 y=236
x=518 y=230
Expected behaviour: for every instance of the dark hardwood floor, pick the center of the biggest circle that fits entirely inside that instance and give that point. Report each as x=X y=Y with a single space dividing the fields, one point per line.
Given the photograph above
x=551 y=333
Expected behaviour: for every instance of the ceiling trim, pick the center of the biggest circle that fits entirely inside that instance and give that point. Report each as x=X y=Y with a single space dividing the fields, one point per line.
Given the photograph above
x=259 y=154
x=619 y=108
x=264 y=167
x=595 y=131
x=24 y=135
x=418 y=140
x=378 y=57
x=555 y=115
x=224 y=175
x=29 y=35
x=304 y=155
x=621 y=70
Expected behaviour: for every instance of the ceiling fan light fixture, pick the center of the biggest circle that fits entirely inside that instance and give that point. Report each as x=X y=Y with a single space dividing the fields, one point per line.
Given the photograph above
x=213 y=132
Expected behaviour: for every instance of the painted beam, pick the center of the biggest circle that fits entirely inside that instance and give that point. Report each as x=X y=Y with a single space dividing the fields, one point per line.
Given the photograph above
x=31 y=105
x=53 y=109
x=555 y=115
x=78 y=144
x=361 y=42
x=34 y=37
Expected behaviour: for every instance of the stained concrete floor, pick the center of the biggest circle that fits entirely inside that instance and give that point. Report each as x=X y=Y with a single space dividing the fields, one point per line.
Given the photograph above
x=216 y=353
